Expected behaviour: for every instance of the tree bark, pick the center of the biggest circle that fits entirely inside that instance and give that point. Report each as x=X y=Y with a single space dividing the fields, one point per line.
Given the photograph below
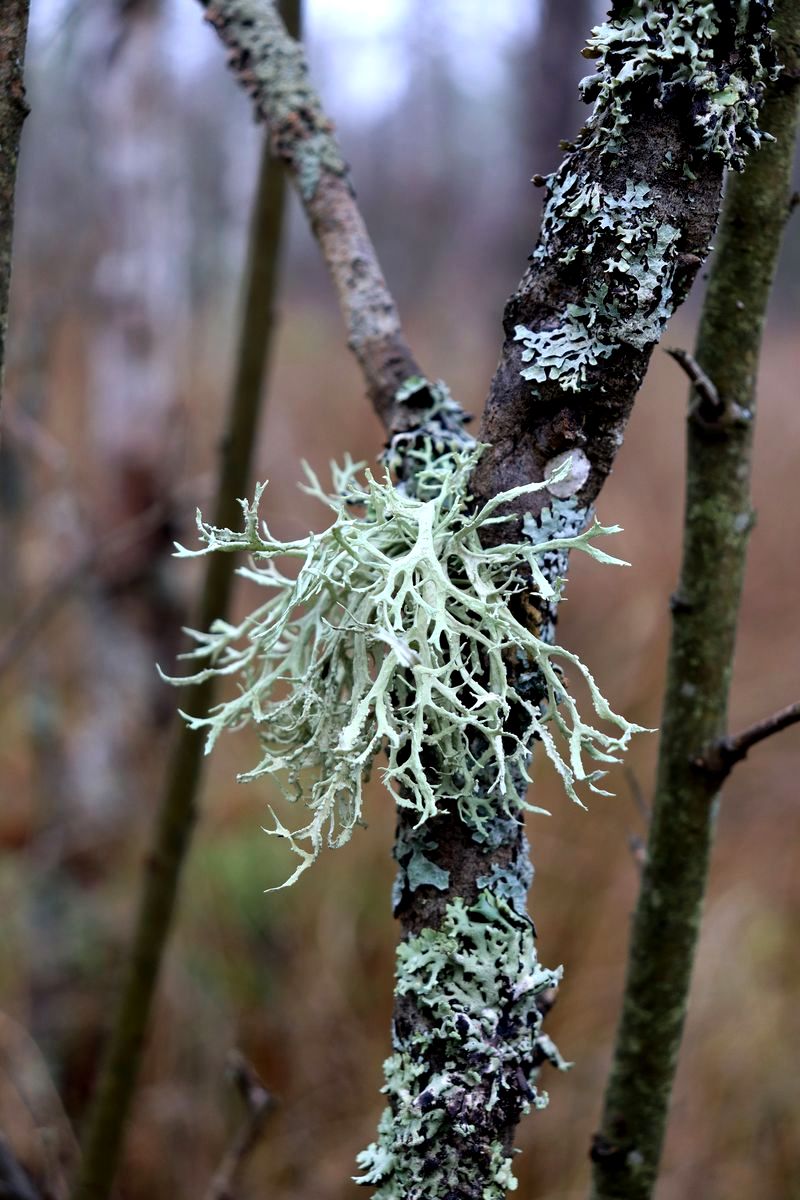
x=13 y=110
x=627 y=224
x=705 y=610
x=579 y=407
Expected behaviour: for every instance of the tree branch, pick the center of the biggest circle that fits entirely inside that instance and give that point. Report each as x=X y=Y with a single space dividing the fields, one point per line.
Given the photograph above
x=719 y=759
x=709 y=402
x=258 y=1103
x=272 y=68
x=627 y=1148
x=13 y=110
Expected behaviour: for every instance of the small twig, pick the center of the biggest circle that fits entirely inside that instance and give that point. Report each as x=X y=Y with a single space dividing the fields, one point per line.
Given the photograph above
x=638 y=795
x=711 y=406
x=636 y=843
x=722 y=756
x=258 y=1104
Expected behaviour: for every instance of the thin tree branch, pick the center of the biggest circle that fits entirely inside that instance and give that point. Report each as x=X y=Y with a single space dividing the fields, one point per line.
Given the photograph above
x=13 y=110
x=721 y=756
x=258 y=1103
x=272 y=68
x=177 y=812
x=627 y=1148
x=710 y=403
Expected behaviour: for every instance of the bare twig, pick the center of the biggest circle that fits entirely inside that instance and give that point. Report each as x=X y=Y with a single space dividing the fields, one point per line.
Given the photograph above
x=24 y=1070
x=258 y=1103
x=721 y=756
x=272 y=68
x=77 y=575
x=710 y=405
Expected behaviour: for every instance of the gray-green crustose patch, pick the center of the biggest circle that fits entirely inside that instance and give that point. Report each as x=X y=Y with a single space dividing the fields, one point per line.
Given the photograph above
x=394 y=636
x=473 y=983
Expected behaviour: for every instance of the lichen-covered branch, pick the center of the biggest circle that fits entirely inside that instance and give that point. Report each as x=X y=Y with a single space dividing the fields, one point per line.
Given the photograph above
x=13 y=110
x=272 y=68
x=705 y=609
x=628 y=221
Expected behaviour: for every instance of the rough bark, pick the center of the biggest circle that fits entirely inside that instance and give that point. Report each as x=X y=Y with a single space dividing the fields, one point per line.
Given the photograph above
x=273 y=70
x=529 y=425
x=177 y=813
x=705 y=609
x=13 y=110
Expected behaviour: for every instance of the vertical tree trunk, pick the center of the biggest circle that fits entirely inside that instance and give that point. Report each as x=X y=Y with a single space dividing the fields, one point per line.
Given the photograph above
x=13 y=110
x=177 y=813
x=705 y=610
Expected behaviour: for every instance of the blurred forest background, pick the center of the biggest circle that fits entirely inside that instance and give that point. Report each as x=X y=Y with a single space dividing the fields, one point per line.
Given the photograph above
x=138 y=168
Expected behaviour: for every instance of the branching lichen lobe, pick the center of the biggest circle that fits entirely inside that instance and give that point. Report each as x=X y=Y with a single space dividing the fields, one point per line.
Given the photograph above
x=394 y=636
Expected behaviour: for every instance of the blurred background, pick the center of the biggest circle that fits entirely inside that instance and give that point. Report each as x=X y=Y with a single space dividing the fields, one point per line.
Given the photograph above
x=138 y=168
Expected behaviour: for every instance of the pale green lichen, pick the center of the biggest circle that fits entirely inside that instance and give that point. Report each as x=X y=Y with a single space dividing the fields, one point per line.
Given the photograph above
x=394 y=636
x=631 y=306
x=471 y=1058
x=656 y=52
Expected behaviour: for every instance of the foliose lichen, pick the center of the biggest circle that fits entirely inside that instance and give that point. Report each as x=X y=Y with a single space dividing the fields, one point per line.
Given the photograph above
x=657 y=52
x=633 y=303
x=712 y=62
x=469 y=1059
x=394 y=637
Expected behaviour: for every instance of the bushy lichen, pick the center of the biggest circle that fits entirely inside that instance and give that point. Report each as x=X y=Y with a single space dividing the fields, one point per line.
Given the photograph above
x=657 y=52
x=394 y=636
x=470 y=1056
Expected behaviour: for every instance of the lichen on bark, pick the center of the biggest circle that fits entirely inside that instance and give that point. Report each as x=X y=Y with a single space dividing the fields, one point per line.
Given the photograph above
x=466 y=1056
